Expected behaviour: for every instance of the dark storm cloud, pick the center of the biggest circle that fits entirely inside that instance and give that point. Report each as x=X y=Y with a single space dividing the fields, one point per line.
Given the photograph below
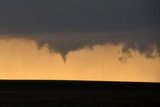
x=40 y=16
x=66 y=25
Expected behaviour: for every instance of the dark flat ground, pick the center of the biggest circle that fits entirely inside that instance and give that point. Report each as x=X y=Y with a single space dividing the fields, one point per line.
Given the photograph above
x=78 y=94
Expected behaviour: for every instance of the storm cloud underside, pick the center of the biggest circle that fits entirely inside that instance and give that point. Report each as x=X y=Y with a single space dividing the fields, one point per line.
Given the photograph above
x=68 y=25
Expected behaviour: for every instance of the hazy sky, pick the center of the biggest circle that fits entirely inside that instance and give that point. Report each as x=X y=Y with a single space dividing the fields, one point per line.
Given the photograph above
x=130 y=29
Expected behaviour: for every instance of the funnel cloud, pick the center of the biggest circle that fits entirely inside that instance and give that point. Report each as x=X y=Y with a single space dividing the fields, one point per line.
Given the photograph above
x=68 y=25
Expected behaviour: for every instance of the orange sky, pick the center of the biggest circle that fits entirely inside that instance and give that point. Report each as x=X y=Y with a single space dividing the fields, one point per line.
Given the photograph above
x=20 y=59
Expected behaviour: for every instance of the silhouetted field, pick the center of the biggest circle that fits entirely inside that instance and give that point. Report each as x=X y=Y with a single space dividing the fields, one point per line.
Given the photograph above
x=78 y=94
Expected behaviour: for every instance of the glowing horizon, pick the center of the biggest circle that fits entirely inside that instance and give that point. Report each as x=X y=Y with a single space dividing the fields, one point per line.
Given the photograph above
x=21 y=59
